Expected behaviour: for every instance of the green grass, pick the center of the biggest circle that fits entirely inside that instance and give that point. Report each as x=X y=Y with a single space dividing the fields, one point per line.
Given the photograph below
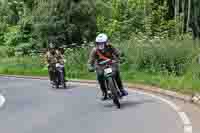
x=158 y=64
x=182 y=84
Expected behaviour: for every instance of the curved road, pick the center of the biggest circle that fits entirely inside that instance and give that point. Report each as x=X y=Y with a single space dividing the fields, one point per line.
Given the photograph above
x=33 y=107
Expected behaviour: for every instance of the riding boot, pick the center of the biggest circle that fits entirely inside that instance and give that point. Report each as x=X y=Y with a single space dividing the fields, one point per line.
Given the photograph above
x=120 y=85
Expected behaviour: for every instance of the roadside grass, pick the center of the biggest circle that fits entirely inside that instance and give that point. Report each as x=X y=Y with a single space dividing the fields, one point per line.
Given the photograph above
x=167 y=64
x=183 y=84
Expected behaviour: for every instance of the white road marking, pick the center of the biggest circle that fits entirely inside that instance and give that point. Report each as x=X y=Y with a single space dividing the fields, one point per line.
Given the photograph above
x=187 y=129
x=185 y=119
x=2 y=100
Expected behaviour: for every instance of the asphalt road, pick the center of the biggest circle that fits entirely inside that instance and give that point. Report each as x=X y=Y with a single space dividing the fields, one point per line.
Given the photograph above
x=33 y=107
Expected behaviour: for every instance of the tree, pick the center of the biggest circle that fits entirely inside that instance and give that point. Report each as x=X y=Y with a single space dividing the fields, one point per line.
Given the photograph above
x=75 y=19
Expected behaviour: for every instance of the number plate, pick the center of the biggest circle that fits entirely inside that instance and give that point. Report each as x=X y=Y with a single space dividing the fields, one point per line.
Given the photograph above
x=108 y=70
x=59 y=65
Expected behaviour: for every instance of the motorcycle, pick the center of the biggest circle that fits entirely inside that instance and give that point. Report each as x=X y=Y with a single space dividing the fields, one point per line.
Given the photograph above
x=110 y=83
x=60 y=78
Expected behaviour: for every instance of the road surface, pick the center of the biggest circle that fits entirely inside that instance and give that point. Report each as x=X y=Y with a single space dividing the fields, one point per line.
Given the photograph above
x=33 y=107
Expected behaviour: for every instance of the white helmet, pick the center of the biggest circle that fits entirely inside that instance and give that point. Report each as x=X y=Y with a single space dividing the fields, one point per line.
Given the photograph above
x=101 y=38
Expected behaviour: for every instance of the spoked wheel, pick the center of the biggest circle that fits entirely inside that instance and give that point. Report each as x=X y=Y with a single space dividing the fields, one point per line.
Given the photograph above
x=52 y=86
x=62 y=80
x=65 y=87
x=114 y=92
x=55 y=85
x=117 y=103
x=57 y=82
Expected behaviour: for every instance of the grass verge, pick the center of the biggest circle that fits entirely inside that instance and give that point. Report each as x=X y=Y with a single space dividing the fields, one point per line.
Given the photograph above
x=183 y=84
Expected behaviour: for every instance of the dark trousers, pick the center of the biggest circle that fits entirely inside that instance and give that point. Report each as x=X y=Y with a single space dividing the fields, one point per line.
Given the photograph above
x=64 y=74
x=52 y=73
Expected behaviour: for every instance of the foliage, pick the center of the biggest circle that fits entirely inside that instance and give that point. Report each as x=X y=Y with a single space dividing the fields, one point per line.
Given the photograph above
x=155 y=35
x=65 y=22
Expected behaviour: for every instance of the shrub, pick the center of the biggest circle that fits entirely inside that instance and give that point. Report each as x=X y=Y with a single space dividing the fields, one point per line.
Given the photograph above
x=158 y=55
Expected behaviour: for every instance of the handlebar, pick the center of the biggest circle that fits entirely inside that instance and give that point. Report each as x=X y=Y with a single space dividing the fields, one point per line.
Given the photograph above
x=104 y=62
x=59 y=65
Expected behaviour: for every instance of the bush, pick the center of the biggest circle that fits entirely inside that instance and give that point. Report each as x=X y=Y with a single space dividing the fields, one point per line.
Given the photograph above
x=6 y=51
x=158 y=55
x=24 y=48
x=11 y=38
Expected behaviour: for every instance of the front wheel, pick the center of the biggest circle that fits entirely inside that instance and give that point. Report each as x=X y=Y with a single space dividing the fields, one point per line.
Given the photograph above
x=114 y=92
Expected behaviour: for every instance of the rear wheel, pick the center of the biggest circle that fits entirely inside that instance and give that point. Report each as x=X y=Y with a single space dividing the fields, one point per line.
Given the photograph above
x=57 y=85
x=114 y=92
x=62 y=80
x=57 y=80
x=117 y=103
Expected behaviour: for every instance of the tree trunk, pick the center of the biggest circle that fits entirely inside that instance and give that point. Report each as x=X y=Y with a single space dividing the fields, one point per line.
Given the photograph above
x=188 y=15
x=176 y=12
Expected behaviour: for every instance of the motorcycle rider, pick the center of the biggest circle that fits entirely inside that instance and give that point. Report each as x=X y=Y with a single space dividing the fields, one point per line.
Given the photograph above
x=60 y=57
x=101 y=52
x=51 y=60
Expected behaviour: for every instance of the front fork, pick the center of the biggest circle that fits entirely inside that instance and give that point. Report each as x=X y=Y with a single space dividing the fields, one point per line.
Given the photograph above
x=111 y=77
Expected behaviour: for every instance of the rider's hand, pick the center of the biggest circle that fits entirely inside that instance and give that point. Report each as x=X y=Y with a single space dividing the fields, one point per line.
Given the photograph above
x=91 y=69
x=47 y=65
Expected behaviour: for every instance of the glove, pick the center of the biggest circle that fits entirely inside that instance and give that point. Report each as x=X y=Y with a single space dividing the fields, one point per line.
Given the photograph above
x=46 y=67
x=91 y=69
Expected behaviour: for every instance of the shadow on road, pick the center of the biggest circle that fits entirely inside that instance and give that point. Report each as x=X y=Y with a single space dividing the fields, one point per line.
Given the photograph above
x=69 y=87
x=129 y=104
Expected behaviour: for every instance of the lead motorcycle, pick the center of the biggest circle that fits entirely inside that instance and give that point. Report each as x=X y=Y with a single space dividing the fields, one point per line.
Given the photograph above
x=59 y=76
x=110 y=83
